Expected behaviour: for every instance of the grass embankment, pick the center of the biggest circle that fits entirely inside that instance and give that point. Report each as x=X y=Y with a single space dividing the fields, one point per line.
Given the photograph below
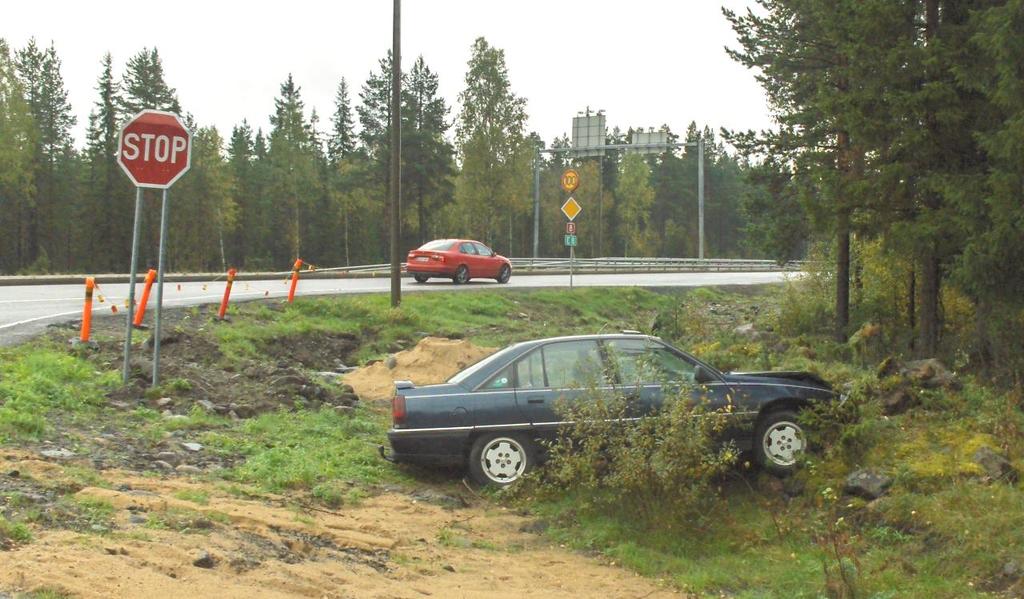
x=942 y=530
x=46 y=389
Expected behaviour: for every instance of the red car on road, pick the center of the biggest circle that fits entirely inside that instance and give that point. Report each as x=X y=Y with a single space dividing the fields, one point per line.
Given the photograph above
x=459 y=260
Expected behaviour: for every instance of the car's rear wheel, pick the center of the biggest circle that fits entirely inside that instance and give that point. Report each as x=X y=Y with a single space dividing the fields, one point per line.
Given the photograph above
x=779 y=442
x=501 y=459
x=504 y=274
x=461 y=275
x=421 y=278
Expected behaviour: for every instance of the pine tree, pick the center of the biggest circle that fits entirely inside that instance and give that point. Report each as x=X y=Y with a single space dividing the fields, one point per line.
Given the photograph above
x=145 y=86
x=293 y=169
x=107 y=212
x=17 y=150
x=427 y=157
x=342 y=140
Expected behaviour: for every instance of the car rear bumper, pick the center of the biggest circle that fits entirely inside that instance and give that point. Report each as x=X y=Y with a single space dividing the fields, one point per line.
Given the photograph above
x=428 y=448
x=428 y=268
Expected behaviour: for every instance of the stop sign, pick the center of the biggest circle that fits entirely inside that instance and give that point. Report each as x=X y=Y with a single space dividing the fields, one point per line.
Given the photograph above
x=154 y=149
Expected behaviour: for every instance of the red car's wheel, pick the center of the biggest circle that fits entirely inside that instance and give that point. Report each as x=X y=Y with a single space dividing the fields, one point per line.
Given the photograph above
x=504 y=274
x=461 y=275
x=421 y=278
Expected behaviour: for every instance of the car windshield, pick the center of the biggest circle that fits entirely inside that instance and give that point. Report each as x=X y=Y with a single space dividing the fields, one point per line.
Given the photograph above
x=496 y=358
x=438 y=245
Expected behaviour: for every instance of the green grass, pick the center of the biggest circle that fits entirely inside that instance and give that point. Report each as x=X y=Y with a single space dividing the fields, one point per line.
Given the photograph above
x=487 y=317
x=307 y=450
x=15 y=531
x=39 y=380
x=194 y=495
x=941 y=531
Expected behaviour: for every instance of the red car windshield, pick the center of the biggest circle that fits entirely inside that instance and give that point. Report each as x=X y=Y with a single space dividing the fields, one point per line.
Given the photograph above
x=438 y=245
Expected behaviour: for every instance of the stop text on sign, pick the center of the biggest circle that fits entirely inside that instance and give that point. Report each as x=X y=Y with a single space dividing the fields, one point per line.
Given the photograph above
x=155 y=149
x=163 y=147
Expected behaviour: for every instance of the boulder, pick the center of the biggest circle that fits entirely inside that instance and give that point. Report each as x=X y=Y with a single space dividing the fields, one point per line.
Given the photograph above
x=996 y=466
x=930 y=374
x=867 y=484
x=898 y=401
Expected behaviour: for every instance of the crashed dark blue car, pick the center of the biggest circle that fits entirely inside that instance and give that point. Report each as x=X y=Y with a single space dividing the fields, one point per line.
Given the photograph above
x=493 y=416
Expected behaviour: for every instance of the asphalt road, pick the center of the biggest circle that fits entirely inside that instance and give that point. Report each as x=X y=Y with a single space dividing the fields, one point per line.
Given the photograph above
x=27 y=310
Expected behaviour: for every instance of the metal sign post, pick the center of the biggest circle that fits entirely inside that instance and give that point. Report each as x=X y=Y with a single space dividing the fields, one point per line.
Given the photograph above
x=571 y=209
x=131 y=286
x=160 y=289
x=154 y=150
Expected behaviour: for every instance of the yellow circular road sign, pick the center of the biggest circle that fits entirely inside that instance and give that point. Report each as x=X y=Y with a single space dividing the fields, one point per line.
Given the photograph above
x=570 y=180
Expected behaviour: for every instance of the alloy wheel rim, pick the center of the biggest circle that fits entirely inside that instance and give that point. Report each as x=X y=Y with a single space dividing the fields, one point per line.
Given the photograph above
x=506 y=273
x=783 y=443
x=462 y=274
x=503 y=460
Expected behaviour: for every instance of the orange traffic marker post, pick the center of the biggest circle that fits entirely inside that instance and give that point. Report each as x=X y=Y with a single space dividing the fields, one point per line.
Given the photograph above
x=150 y=277
x=83 y=337
x=295 y=280
x=227 y=294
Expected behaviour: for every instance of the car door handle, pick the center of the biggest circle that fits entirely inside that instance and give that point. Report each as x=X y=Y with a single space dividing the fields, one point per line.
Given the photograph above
x=535 y=401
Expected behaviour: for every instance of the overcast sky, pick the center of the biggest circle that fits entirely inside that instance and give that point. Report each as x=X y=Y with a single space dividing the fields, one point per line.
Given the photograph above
x=645 y=62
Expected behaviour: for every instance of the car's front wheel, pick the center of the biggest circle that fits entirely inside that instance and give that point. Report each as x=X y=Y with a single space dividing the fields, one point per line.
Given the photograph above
x=461 y=275
x=421 y=278
x=779 y=442
x=504 y=274
x=501 y=459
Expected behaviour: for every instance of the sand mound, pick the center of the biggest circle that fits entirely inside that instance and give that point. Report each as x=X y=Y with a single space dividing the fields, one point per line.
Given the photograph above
x=432 y=361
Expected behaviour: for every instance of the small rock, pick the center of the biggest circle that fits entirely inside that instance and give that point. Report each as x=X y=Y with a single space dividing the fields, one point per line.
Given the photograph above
x=747 y=330
x=162 y=465
x=996 y=466
x=207 y=405
x=116 y=550
x=163 y=402
x=930 y=374
x=14 y=473
x=536 y=527
x=867 y=484
x=391 y=362
x=205 y=560
x=448 y=567
x=1012 y=570
x=188 y=469
x=244 y=411
x=192 y=446
x=898 y=402
x=136 y=519
x=102 y=442
x=167 y=456
x=57 y=454
x=344 y=409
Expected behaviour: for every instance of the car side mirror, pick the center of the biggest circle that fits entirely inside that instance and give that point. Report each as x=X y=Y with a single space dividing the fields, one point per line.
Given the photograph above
x=701 y=375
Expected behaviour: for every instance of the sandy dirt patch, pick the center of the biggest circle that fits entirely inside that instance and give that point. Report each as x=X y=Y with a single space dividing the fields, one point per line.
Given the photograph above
x=433 y=360
x=428 y=542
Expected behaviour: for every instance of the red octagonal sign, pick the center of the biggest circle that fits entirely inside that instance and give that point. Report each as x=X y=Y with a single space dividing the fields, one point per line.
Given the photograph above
x=155 y=149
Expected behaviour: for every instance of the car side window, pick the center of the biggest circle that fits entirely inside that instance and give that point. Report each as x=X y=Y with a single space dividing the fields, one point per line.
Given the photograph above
x=502 y=380
x=573 y=364
x=640 y=361
x=530 y=371
x=483 y=250
x=467 y=248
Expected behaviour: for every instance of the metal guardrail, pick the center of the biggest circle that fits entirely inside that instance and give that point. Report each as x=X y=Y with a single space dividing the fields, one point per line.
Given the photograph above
x=605 y=265
x=519 y=265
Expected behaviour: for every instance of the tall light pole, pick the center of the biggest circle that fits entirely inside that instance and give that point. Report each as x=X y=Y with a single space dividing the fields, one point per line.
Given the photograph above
x=396 y=153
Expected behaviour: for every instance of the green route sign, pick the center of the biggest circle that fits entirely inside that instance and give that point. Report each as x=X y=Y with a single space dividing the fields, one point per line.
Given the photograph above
x=570 y=241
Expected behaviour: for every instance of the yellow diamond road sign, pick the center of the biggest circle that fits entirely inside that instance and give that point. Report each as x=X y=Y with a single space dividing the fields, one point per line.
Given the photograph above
x=571 y=208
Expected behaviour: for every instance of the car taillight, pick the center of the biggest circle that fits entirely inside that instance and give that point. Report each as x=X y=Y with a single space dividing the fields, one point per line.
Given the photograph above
x=437 y=257
x=398 y=409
